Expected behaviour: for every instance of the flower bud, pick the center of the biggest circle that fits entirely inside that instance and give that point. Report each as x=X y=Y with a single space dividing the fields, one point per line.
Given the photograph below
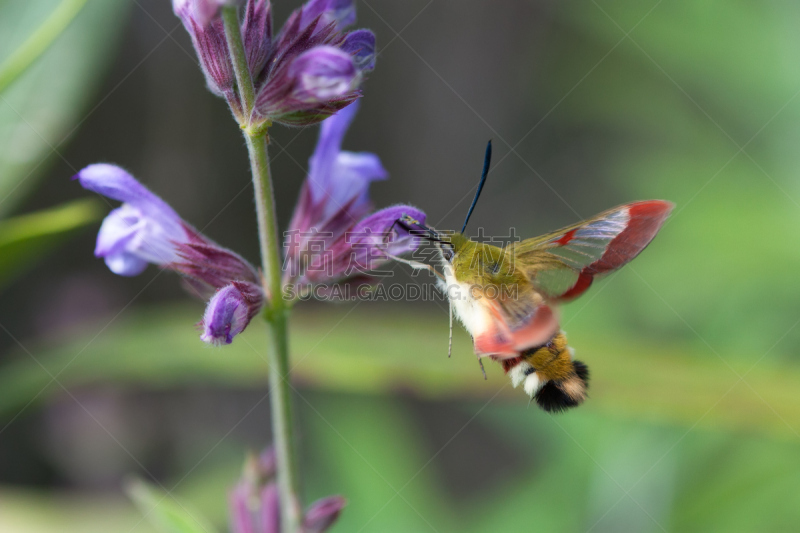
x=341 y=12
x=229 y=311
x=322 y=73
x=361 y=45
x=203 y=11
x=201 y=20
x=254 y=503
x=314 y=69
x=322 y=514
x=257 y=35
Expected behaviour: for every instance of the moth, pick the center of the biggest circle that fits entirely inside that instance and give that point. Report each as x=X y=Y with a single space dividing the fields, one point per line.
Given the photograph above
x=507 y=298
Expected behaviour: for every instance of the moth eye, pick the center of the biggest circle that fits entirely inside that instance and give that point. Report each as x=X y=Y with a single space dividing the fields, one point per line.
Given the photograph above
x=447 y=253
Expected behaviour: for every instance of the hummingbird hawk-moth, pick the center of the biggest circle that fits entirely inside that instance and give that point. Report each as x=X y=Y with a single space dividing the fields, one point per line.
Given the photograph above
x=507 y=297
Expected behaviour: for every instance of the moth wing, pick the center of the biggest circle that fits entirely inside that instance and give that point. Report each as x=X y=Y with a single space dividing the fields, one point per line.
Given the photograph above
x=513 y=322
x=562 y=265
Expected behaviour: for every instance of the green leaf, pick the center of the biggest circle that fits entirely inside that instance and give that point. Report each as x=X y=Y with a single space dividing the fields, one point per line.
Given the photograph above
x=165 y=512
x=26 y=238
x=39 y=41
x=46 y=102
x=27 y=510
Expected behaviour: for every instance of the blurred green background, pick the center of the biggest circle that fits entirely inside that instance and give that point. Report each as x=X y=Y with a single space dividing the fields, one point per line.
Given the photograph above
x=693 y=419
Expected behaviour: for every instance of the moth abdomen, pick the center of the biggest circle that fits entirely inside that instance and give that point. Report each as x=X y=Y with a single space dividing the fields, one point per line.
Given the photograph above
x=559 y=395
x=549 y=375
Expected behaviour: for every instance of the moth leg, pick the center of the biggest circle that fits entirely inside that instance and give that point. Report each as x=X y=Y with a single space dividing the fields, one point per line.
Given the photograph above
x=480 y=362
x=450 y=343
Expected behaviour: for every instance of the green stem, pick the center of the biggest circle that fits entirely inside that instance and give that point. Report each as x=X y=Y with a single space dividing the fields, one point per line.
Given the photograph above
x=276 y=315
x=233 y=35
x=39 y=41
x=276 y=312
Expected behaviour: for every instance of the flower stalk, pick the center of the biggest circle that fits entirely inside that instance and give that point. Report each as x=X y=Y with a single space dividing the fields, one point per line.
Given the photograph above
x=276 y=312
x=233 y=35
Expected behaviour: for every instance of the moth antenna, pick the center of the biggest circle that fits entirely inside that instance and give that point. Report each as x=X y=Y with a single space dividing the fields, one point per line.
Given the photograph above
x=450 y=344
x=487 y=158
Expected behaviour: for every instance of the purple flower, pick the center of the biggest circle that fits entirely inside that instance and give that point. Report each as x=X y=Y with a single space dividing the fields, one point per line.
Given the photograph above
x=314 y=69
x=307 y=73
x=330 y=236
x=147 y=230
x=143 y=230
x=229 y=311
x=255 y=504
x=366 y=245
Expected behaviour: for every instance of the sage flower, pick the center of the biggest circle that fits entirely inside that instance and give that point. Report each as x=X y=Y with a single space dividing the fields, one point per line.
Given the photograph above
x=331 y=236
x=145 y=229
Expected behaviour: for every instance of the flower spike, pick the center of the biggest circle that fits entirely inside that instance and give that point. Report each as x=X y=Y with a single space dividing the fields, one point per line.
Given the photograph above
x=307 y=73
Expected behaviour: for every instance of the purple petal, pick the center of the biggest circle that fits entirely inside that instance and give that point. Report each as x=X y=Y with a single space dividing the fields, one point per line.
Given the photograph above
x=118 y=230
x=115 y=183
x=323 y=73
x=384 y=220
x=203 y=11
x=270 y=510
x=143 y=229
x=380 y=233
x=342 y=12
x=365 y=246
x=239 y=502
x=125 y=264
x=335 y=178
x=331 y=134
x=257 y=35
x=322 y=514
x=229 y=311
x=349 y=182
x=361 y=44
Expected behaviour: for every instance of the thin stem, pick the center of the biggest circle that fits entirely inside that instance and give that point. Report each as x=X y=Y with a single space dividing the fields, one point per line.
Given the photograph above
x=277 y=317
x=233 y=35
x=276 y=312
x=39 y=41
